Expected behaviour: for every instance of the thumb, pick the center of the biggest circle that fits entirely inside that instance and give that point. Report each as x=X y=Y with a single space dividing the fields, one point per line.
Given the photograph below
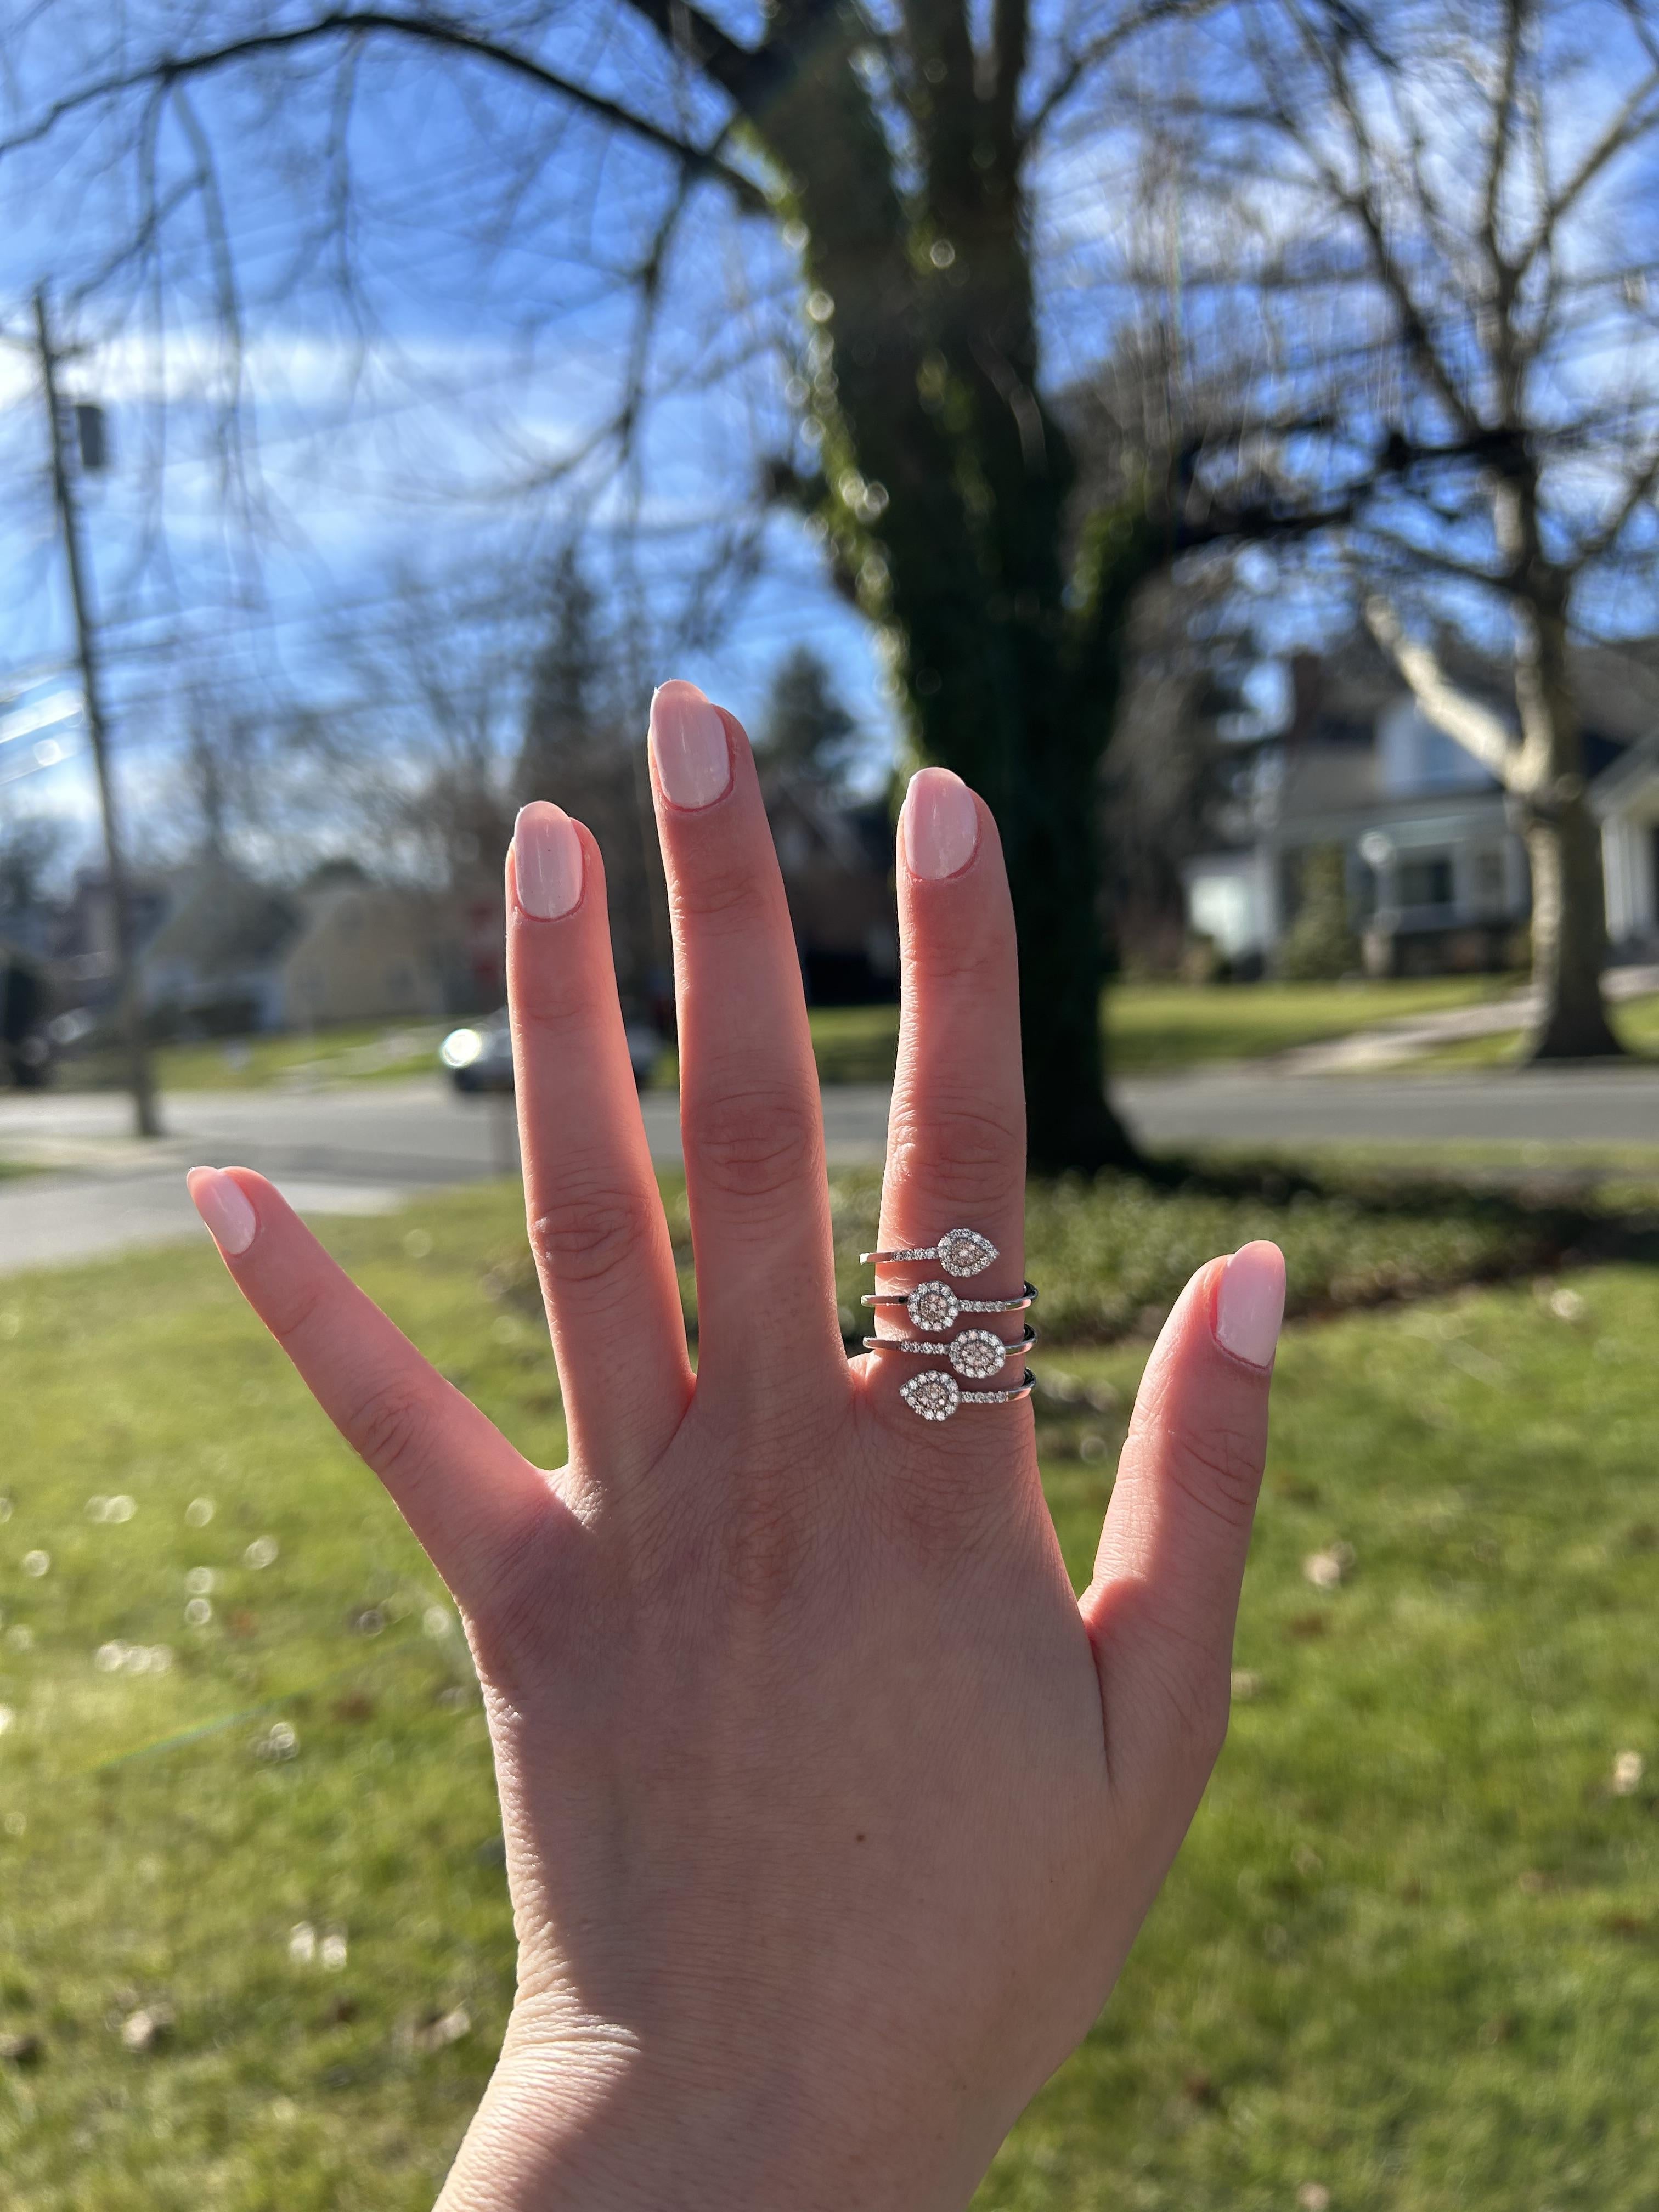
x=1161 y=1608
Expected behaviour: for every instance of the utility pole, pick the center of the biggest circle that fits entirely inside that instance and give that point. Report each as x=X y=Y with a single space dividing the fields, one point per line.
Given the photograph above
x=140 y=1081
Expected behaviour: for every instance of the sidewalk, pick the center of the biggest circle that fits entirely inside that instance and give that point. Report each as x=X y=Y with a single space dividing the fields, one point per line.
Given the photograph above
x=1392 y=1044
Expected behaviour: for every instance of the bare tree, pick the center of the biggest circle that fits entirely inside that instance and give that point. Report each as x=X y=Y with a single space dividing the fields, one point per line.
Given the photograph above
x=1440 y=235
x=897 y=149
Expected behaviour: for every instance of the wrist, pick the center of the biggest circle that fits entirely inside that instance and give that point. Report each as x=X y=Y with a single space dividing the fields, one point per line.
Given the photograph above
x=590 y=2121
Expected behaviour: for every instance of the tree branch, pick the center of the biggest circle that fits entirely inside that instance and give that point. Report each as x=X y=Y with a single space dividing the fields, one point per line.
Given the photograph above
x=1472 y=726
x=1640 y=489
x=1083 y=64
x=429 y=30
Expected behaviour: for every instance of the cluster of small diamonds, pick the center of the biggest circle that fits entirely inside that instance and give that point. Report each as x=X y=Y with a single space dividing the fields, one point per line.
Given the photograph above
x=932 y=1394
x=965 y=1252
x=977 y=1352
x=932 y=1307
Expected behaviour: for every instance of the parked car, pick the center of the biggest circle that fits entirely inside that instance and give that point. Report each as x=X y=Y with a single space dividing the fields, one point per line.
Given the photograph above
x=479 y=1057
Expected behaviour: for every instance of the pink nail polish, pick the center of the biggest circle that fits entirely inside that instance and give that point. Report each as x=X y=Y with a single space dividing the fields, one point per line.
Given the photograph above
x=223 y=1206
x=547 y=860
x=1249 y=1303
x=940 y=824
x=688 y=743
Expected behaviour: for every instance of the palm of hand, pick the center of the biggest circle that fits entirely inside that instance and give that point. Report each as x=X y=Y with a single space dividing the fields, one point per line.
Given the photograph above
x=830 y=1814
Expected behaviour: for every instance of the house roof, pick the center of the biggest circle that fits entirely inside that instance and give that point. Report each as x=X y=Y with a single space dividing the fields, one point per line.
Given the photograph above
x=221 y=922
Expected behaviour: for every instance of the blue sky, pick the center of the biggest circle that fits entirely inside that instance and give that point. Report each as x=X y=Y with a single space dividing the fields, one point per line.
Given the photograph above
x=422 y=429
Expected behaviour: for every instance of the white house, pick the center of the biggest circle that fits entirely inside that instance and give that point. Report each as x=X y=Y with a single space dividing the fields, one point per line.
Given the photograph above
x=1436 y=872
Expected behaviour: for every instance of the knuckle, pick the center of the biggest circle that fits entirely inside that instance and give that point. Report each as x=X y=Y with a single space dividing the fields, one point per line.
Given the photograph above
x=289 y=1315
x=960 y=1148
x=584 y=1229
x=733 y=893
x=1217 y=1470
x=390 y=1428
x=755 y=1144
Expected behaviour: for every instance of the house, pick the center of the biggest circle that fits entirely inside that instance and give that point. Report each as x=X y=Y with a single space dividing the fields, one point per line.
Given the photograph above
x=1436 y=869
x=364 y=951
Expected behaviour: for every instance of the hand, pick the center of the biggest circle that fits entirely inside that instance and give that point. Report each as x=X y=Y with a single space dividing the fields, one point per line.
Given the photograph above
x=831 y=1814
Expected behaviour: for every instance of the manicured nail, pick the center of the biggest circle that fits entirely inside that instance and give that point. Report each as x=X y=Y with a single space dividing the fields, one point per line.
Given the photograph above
x=688 y=743
x=223 y=1204
x=547 y=860
x=1250 y=1303
x=940 y=824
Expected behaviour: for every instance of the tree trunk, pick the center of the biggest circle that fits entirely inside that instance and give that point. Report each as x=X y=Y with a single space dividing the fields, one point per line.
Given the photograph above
x=924 y=383
x=1563 y=843
x=1569 y=934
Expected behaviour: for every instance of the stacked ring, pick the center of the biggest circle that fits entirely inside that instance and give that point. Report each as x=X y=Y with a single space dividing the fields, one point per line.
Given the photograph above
x=932 y=1307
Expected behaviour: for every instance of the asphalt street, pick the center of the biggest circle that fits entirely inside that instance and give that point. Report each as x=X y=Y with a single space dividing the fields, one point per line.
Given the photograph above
x=363 y=1148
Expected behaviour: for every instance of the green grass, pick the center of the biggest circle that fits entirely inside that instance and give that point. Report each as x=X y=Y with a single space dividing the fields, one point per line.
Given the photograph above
x=1159 y=1028
x=1154 y=1028
x=1411 y=1952
x=365 y=1052
x=1635 y=1022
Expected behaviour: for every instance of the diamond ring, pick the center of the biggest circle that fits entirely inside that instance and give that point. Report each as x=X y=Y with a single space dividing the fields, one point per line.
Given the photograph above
x=978 y=1353
x=960 y=1252
x=933 y=1307
x=935 y=1395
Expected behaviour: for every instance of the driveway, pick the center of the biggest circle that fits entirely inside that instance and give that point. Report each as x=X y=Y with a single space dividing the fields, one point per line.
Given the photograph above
x=364 y=1148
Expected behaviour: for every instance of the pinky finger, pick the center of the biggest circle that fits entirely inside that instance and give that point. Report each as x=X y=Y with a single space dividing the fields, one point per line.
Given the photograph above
x=469 y=1498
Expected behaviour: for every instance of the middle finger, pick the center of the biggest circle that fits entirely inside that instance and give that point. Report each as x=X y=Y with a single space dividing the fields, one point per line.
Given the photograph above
x=749 y=1096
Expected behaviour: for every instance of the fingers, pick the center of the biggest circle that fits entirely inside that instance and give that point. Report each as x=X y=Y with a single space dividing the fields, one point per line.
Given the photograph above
x=749 y=1096
x=596 y=1217
x=468 y=1496
x=1164 y=1597
x=955 y=1145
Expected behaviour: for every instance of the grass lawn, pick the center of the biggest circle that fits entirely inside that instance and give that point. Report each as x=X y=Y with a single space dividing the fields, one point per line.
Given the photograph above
x=1153 y=1027
x=364 y=1052
x=1635 y=1022
x=1411 y=1954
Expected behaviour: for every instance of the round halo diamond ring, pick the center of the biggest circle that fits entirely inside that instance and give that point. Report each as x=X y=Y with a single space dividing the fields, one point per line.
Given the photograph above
x=977 y=1354
x=935 y=1395
x=960 y=1252
x=933 y=1307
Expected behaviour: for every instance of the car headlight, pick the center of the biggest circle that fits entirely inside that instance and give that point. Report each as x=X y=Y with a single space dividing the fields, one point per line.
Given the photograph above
x=460 y=1048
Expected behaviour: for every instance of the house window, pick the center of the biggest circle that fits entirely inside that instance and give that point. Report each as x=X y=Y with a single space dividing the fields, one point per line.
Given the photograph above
x=1489 y=880
x=1425 y=879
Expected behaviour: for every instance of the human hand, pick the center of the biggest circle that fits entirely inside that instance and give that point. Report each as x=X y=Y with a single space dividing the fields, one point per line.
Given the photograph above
x=830 y=1813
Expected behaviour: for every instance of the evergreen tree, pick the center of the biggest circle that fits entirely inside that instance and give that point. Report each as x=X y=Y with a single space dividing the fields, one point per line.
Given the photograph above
x=805 y=725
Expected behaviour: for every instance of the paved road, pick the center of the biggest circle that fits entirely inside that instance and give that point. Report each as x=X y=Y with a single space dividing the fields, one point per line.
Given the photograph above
x=363 y=1149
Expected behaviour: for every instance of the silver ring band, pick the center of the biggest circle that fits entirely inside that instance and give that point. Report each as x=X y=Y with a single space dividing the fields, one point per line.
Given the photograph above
x=933 y=1307
x=978 y=1353
x=960 y=1252
x=935 y=1395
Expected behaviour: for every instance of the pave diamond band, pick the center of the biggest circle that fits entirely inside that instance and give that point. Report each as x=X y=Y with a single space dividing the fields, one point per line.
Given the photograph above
x=978 y=1353
x=935 y=1395
x=933 y=1307
x=960 y=1252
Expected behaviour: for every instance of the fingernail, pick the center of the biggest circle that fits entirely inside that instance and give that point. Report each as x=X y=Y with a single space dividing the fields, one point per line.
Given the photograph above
x=940 y=824
x=223 y=1204
x=688 y=743
x=1249 y=1304
x=547 y=860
